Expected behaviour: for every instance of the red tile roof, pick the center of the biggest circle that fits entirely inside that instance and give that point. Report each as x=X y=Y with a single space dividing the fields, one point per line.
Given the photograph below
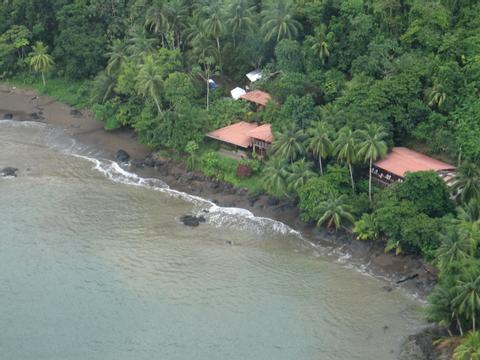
x=257 y=96
x=402 y=160
x=263 y=133
x=236 y=134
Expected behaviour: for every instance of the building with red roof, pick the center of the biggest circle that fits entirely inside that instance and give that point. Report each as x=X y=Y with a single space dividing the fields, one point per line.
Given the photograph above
x=257 y=97
x=402 y=160
x=245 y=135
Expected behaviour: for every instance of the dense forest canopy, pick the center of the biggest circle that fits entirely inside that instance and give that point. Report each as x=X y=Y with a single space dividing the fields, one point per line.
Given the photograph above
x=349 y=79
x=412 y=66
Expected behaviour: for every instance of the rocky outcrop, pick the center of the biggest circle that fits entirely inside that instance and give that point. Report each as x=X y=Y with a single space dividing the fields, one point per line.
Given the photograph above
x=421 y=346
x=193 y=221
x=75 y=112
x=9 y=171
x=122 y=156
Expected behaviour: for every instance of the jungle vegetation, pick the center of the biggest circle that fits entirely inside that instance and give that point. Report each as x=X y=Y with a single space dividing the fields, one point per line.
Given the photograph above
x=350 y=79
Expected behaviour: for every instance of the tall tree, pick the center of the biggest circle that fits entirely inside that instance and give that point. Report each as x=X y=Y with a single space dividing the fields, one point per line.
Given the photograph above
x=334 y=211
x=372 y=147
x=279 y=21
x=298 y=174
x=149 y=81
x=320 y=143
x=453 y=249
x=215 y=20
x=289 y=144
x=467 y=182
x=320 y=45
x=240 y=17
x=274 y=175
x=345 y=148
x=116 y=56
x=205 y=71
x=156 y=17
x=468 y=295
x=40 y=60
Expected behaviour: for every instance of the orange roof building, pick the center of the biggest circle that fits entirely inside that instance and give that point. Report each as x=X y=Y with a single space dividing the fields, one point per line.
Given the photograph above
x=401 y=160
x=257 y=96
x=235 y=134
x=245 y=135
x=262 y=133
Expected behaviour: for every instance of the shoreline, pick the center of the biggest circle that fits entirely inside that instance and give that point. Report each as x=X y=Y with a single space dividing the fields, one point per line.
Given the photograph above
x=81 y=126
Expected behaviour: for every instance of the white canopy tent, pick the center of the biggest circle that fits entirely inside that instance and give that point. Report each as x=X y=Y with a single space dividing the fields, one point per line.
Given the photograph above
x=237 y=92
x=254 y=75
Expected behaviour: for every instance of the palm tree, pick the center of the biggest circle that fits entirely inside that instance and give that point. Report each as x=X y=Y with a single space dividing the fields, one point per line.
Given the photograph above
x=102 y=87
x=177 y=19
x=40 y=60
x=366 y=228
x=298 y=174
x=453 y=248
x=334 y=211
x=240 y=17
x=436 y=96
x=468 y=295
x=372 y=147
x=289 y=144
x=274 y=175
x=441 y=309
x=345 y=148
x=149 y=81
x=469 y=212
x=156 y=17
x=139 y=45
x=320 y=143
x=279 y=22
x=467 y=182
x=320 y=45
x=206 y=70
x=116 y=56
x=214 y=24
x=469 y=349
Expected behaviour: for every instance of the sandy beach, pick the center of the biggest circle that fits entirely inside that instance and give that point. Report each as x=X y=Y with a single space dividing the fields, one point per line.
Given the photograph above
x=28 y=105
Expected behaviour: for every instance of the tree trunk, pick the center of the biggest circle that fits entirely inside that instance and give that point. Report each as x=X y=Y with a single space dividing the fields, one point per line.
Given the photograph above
x=351 y=177
x=370 y=181
x=459 y=325
x=208 y=91
x=43 y=79
x=320 y=164
x=158 y=104
x=473 y=320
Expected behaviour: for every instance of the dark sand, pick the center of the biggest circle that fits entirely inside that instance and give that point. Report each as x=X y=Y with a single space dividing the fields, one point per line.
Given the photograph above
x=86 y=130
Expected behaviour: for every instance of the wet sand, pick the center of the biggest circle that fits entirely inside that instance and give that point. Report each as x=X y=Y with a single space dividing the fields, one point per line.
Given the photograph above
x=27 y=105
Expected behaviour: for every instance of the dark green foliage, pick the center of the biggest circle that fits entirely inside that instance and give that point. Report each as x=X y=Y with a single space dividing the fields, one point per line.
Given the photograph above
x=299 y=111
x=318 y=189
x=81 y=44
x=468 y=129
x=402 y=224
x=428 y=192
x=289 y=56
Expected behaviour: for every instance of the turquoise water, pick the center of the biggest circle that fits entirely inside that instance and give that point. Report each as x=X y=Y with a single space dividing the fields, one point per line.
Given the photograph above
x=94 y=266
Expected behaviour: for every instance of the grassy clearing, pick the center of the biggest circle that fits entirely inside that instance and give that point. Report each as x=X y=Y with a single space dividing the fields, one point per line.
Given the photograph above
x=70 y=92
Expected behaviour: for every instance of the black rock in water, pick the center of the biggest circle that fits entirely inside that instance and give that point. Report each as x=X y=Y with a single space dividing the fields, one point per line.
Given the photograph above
x=9 y=171
x=122 y=156
x=193 y=221
x=8 y=116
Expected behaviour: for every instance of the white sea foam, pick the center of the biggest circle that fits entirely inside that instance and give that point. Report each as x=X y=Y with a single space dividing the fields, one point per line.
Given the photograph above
x=215 y=215
x=15 y=123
